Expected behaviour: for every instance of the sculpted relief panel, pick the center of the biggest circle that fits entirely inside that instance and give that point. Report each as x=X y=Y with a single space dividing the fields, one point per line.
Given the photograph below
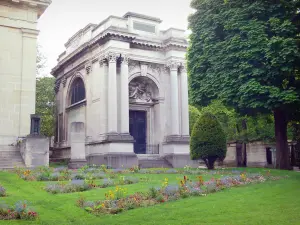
x=142 y=90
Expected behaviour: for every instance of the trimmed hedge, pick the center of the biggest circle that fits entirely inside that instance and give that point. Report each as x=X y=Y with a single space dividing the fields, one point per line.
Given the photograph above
x=194 y=115
x=208 y=140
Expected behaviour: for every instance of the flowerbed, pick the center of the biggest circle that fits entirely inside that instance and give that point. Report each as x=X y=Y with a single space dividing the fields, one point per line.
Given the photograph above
x=19 y=211
x=84 y=185
x=60 y=174
x=2 y=191
x=116 y=202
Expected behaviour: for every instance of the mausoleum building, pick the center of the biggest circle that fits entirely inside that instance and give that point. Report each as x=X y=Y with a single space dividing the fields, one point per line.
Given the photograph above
x=122 y=94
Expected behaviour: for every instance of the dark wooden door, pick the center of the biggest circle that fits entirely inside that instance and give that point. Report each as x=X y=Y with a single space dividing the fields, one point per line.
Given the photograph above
x=137 y=129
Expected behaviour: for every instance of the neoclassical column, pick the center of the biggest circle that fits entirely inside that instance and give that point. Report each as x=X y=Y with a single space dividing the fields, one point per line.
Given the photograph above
x=174 y=97
x=112 y=93
x=124 y=96
x=104 y=94
x=184 y=101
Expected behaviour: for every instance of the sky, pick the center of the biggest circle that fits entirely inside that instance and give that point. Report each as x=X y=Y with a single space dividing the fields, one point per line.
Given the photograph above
x=63 y=18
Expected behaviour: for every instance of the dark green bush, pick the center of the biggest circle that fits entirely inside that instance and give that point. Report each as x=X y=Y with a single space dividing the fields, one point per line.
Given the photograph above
x=208 y=140
x=194 y=115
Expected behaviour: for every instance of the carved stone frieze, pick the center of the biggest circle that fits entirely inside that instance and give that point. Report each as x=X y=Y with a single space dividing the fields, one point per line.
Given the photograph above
x=133 y=65
x=154 y=69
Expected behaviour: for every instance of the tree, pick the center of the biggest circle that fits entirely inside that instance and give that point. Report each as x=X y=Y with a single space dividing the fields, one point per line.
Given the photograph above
x=245 y=53
x=208 y=140
x=40 y=62
x=194 y=115
x=45 y=98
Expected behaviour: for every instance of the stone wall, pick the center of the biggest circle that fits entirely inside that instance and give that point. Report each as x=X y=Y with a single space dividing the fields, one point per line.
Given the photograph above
x=18 y=36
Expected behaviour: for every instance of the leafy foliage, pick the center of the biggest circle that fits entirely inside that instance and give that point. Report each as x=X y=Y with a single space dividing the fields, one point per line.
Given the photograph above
x=45 y=98
x=194 y=115
x=208 y=141
x=246 y=54
x=259 y=127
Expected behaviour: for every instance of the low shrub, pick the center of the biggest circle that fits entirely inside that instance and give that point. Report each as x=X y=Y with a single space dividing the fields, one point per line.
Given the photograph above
x=208 y=140
x=128 y=180
x=72 y=186
x=107 y=183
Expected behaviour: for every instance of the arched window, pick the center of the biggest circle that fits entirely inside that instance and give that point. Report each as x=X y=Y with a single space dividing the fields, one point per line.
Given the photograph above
x=77 y=91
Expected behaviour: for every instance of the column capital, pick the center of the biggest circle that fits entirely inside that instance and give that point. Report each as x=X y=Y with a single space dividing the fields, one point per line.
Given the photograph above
x=112 y=57
x=88 y=68
x=102 y=61
x=125 y=59
x=183 y=67
x=173 y=65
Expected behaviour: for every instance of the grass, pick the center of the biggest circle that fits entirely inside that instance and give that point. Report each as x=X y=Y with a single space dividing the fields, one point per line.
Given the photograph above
x=272 y=202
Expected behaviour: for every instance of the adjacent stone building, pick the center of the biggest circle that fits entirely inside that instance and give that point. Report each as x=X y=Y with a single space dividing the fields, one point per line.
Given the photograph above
x=18 y=49
x=122 y=84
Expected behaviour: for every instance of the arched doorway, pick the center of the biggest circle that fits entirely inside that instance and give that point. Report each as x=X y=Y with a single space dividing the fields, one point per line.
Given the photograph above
x=144 y=115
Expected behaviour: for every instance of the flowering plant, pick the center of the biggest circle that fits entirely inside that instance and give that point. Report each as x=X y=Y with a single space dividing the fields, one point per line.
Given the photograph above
x=19 y=211
x=2 y=191
x=117 y=202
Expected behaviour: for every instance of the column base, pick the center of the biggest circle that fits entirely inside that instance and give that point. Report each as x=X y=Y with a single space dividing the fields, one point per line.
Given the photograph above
x=77 y=163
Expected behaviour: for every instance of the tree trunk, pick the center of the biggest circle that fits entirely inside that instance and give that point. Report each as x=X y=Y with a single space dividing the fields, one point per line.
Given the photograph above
x=244 y=145
x=282 y=148
x=211 y=162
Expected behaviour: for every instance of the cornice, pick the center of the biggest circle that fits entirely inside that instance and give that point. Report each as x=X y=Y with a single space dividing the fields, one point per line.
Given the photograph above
x=124 y=35
x=40 y=5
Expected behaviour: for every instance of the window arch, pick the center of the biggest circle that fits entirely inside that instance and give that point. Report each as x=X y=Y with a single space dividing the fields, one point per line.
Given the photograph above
x=77 y=93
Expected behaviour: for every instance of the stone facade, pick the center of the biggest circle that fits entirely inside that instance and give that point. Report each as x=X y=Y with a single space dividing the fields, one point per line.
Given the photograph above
x=18 y=34
x=129 y=69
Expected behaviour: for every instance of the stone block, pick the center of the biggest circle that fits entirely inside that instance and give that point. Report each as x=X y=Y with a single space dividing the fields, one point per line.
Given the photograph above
x=35 y=151
x=77 y=145
x=182 y=160
x=114 y=160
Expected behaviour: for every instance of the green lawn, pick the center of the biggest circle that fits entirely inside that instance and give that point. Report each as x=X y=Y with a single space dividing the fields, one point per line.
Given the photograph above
x=272 y=202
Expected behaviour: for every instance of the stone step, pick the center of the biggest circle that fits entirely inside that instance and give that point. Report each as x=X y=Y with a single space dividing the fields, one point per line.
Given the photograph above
x=8 y=148
x=9 y=153
x=149 y=157
x=12 y=164
x=11 y=161
x=153 y=161
x=9 y=167
x=10 y=157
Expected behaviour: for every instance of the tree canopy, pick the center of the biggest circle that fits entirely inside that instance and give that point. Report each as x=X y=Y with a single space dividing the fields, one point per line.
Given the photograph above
x=45 y=98
x=245 y=53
